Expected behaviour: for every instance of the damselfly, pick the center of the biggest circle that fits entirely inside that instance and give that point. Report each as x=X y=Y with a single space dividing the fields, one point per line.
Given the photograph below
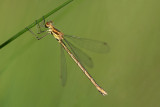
x=79 y=57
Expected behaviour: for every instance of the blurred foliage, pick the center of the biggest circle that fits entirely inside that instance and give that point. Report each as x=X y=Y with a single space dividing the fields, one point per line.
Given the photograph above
x=30 y=72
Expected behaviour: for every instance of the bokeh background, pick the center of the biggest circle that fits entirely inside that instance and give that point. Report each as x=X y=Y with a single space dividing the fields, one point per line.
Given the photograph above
x=129 y=72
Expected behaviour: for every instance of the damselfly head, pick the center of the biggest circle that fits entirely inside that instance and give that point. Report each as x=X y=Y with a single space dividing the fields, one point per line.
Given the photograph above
x=48 y=24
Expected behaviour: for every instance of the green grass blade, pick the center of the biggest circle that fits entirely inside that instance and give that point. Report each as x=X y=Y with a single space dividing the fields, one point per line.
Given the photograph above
x=33 y=24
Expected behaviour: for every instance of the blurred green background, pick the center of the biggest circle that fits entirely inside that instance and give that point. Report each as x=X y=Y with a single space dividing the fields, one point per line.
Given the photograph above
x=130 y=72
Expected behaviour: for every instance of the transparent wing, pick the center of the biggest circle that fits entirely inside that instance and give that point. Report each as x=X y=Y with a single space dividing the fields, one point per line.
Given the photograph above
x=82 y=57
x=63 y=67
x=92 y=45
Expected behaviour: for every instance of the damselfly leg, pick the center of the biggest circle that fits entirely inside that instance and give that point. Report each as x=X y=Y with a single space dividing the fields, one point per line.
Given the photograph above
x=41 y=30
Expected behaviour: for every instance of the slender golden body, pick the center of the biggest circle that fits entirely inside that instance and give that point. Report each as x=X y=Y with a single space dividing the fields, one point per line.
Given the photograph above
x=59 y=36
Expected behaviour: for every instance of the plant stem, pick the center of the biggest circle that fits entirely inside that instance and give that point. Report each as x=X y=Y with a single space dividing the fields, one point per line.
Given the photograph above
x=33 y=24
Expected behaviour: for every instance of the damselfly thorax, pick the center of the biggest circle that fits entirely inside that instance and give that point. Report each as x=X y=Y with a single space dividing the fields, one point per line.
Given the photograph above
x=55 y=32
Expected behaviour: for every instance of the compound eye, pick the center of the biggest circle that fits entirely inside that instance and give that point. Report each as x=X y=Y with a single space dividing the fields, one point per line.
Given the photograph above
x=47 y=24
